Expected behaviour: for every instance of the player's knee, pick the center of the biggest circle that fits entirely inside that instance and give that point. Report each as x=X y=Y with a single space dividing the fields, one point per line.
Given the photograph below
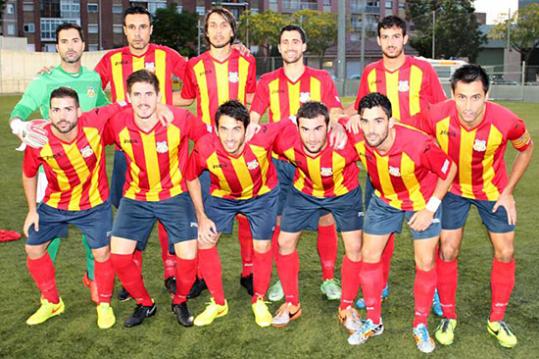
x=504 y=254
x=101 y=254
x=370 y=256
x=449 y=251
x=261 y=246
x=286 y=246
x=425 y=262
x=35 y=252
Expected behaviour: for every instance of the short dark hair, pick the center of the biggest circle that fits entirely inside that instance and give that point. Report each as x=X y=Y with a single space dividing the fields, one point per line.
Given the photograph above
x=143 y=76
x=392 y=21
x=63 y=92
x=313 y=109
x=228 y=16
x=375 y=99
x=68 y=26
x=137 y=10
x=294 y=28
x=234 y=109
x=470 y=73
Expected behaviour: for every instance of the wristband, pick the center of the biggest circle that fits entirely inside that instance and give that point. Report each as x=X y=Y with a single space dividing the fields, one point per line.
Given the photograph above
x=433 y=204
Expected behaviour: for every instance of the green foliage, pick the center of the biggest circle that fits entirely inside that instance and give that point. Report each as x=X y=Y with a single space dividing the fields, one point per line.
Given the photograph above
x=175 y=30
x=456 y=32
x=320 y=27
x=263 y=28
x=524 y=29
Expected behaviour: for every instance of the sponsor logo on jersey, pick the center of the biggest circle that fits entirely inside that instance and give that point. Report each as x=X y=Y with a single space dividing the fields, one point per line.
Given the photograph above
x=150 y=66
x=86 y=151
x=394 y=171
x=233 y=77
x=251 y=165
x=404 y=86
x=326 y=171
x=161 y=147
x=480 y=145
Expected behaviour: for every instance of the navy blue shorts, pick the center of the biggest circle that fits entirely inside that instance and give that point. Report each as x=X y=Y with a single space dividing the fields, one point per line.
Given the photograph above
x=369 y=192
x=118 y=178
x=300 y=207
x=95 y=223
x=381 y=218
x=285 y=173
x=455 y=211
x=261 y=213
x=135 y=219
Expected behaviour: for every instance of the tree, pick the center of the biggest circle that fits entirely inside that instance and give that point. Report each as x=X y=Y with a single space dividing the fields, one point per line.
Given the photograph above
x=320 y=27
x=456 y=31
x=263 y=29
x=524 y=30
x=176 y=30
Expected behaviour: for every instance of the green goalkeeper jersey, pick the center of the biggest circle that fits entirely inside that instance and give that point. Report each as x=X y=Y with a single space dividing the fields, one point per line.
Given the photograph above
x=86 y=83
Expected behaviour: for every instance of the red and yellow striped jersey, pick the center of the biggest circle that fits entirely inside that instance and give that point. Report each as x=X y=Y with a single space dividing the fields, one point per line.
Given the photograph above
x=478 y=152
x=405 y=177
x=213 y=82
x=284 y=97
x=247 y=175
x=116 y=66
x=75 y=171
x=410 y=89
x=157 y=159
x=331 y=173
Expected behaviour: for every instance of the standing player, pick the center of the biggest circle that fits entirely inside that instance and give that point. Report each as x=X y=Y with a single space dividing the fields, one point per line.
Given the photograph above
x=77 y=193
x=220 y=74
x=474 y=133
x=87 y=84
x=243 y=180
x=410 y=175
x=114 y=69
x=156 y=190
x=282 y=92
x=325 y=178
x=410 y=84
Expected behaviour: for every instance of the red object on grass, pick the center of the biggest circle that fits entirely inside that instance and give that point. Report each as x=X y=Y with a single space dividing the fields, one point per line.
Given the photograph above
x=8 y=236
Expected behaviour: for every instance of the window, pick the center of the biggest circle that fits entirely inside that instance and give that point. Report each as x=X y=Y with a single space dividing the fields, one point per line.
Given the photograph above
x=389 y=4
x=200 y=10
x=156 y=4
x=10 y=9
x=49 y=25
x=93 y=47
x=29 y=28
x=28 y=6
x=117 y=9
x=117 y=28
x=93 y=28
x=93 y=7
x=402 y=5
x=179 y=9
x=11 y=29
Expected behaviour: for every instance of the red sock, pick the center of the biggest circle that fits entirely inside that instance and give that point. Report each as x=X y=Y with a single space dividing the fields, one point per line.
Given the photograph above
x=246 y=245
x=131 y=277
x=186 y=271
x=210 y=265
x=424 y=285
x=371 y=276
x=42 y=272
x=350 y=281
x=387 y=255
x=104 y=279
x=261 y=274
x=275 y=242
x=169 y=260
x=137 y=258
x=502 y=281
x=446 y=282
x=327 y=245
x=288 y=269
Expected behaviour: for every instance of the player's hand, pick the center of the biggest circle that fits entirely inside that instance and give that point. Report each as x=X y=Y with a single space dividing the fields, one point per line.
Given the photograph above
x=45 y=70
x=164 y=114
x=207 y=231
x=31 y=133
x=353 y=124
x=507 y=201
x=252 y=129
x=241 y=48
x=337 y=137
x=32 y=218
x=421 y=220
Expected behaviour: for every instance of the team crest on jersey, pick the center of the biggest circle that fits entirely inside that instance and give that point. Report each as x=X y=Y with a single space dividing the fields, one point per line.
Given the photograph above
x=404 y=86
x=86 y=151
x=251 y=165
x=480 y=145
x=326 y=171
x=90 y=92
x=233 y=77
x=161 y=147
x=150 y=66
x=394 y=171
x=304 y=97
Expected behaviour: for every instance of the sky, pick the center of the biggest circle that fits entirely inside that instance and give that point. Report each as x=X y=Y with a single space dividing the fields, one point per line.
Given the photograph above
x=495 y=7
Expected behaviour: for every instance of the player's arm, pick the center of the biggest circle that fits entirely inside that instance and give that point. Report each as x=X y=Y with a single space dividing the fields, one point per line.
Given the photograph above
x=29 y=184
x=352 y=110
x=103 y=69
x=188 y=93
x=30 y=133
x=438 y=162
x=254 y=125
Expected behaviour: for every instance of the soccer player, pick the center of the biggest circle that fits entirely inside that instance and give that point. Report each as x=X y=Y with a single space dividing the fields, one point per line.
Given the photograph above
x=220 y=74
x=474 y=132
x=410 y=84
x=114 y=69
x=410 y=175
x=87 y=84
x=77 y=193
x=243 y=180
x=156 y=190
x=282 y=92
x=325 y=178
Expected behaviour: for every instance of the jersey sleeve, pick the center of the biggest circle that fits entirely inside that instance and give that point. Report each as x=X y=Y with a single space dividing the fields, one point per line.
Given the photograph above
x=331 y=96
x=178 y=64
x=102 y=99
x=30 y=100
x=30 y=164
x=435 y=92
x=196 y=164
x=197 y=129
x=261 y=100
x=433 y=158
x=363 y=88
x=519 y=135
x=250 y=86
x=103 y=69
x=286 y=137
x=189 y=83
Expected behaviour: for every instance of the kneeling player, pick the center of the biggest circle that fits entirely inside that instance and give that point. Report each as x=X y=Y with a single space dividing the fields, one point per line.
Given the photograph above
x=243 y=180
x=410 y=175
x=327 y=179
x=74 y=163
